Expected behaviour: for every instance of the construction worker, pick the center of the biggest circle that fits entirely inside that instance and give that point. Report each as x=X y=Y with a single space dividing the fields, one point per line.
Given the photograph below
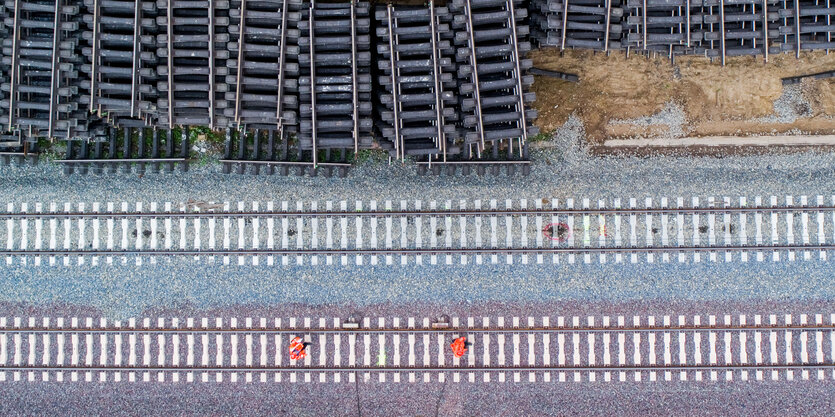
x=297 y=349
x=459 y=347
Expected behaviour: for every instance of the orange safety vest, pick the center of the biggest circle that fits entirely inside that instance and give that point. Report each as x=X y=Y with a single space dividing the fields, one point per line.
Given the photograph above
x=459 y=347
x=297 y=348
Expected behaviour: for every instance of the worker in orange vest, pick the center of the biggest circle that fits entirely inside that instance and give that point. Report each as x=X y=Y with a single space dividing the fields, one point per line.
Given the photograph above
x=297 y=349
x=459 y=347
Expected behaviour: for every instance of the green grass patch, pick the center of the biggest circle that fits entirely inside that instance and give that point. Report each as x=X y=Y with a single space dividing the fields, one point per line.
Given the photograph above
x=365 y=155
x=541 y=137
x=215 y=137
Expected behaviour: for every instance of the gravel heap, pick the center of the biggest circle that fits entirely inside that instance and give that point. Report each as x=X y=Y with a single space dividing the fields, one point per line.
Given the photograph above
x=672 y=116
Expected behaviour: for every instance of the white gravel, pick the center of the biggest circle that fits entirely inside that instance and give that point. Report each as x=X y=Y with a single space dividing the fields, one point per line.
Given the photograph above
x=672 y=116
x=791 y=105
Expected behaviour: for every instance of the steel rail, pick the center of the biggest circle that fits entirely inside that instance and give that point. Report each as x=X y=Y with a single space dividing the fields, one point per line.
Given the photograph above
x=212 y=64
x=722 y=29
x=311 y=40
x=828 y=22
x=240 y=64
x=297 y=163
x=354 y=92
x=94 y=66
x=73 y=161
x=476 y=92
x=411 y=330
x=564 y=24
x=279 y=105
x=607 y=22
x=644 y=26
x=399 y=143
x=416 y=251
x=15 y=71
x=465 y=162
x=765 y=30
x=54 y=77
x=462 y=367
x=18 y=153
x=385 y=213
x=511 y=7
x=170 y=32
x=438 y=88
x=797 y=27
x=137 y=33
x=687 y=20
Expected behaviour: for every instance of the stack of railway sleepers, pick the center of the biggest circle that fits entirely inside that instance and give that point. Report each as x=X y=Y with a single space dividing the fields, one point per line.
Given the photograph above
x=714 y=28
x=129 y=148
x=263 y=64
x=14 y=149
x=806 y=25
x=417 y=103
x=494 y=93
x=191 y=48
x=42 y=81
x=584 y=24
x=120 y=73
x=738 y=27
x=673 y=27
x=334 y=82
x=267 y=151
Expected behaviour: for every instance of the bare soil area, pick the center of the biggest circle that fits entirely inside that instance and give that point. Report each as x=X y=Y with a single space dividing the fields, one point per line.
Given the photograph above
x=716 y=100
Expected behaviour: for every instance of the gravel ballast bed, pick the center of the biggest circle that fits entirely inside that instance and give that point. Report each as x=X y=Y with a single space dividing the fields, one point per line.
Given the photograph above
x=125 y=290
x=565 y=171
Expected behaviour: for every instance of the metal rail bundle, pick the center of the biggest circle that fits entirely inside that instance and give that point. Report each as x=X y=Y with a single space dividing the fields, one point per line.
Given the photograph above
x=127 y=147
x=807 y=25
x=494 y=88
x=334 y=82
x=585 y=24
x=14 y=148
x=266 y=151
x=120 y=78
x=417 y=103
x=291 y=81
x=41 y=83
x=737 y=27
x=714 y=28
x=191 y=46
x=673 y=27
x=262 y=65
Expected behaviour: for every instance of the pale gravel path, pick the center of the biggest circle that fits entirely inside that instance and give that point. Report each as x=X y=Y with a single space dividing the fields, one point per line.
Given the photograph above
x=797 y=398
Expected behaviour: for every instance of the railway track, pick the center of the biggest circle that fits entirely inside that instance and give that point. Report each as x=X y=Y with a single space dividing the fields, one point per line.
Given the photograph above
x=478 y=231
x=129 y=149
x=409 y=349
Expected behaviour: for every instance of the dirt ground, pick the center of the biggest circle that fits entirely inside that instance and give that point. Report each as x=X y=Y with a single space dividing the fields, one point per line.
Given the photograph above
x=716 y=100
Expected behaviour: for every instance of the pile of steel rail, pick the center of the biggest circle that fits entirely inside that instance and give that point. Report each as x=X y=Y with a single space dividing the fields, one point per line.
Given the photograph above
x=299 y=86
x=713 y=28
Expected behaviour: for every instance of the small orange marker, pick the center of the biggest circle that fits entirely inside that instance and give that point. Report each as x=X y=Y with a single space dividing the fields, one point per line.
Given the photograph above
x=459 y=347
